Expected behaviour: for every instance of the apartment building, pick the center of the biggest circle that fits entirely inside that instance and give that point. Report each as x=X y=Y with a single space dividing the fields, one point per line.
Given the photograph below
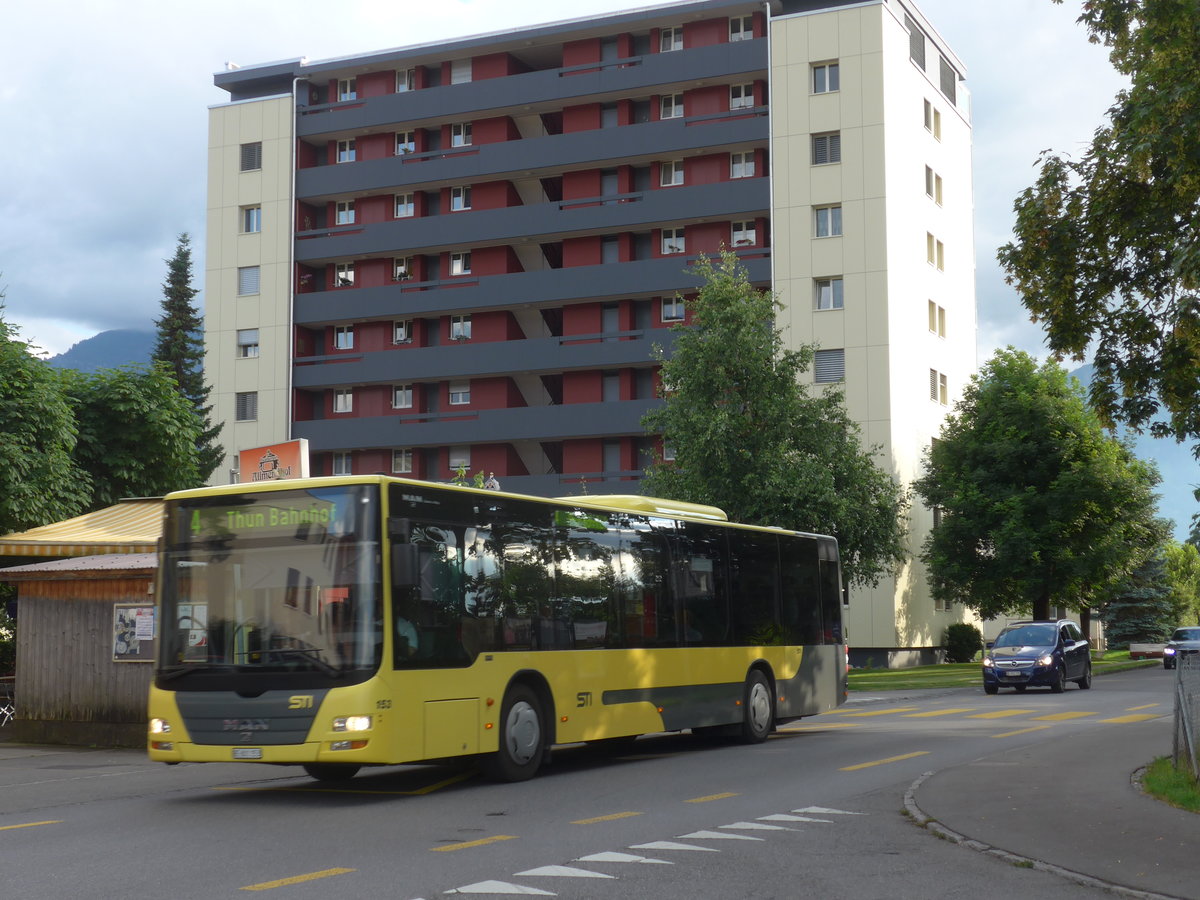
x=462 y=254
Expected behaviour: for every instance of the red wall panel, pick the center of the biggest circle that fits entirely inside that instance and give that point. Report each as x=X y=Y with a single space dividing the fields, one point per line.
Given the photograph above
x=581 y=251
x=706 y=33
x=582 y=387
x=581 y=118
x=583 y=456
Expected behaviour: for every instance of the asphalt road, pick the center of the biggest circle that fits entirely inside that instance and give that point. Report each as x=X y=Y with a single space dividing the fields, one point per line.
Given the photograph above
x=816 y=811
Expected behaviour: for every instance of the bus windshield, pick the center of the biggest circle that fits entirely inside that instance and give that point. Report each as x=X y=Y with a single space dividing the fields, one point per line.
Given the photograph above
x=285 y=584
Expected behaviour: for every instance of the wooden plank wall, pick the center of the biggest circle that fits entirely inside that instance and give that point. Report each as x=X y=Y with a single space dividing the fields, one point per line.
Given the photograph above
x=65 y=669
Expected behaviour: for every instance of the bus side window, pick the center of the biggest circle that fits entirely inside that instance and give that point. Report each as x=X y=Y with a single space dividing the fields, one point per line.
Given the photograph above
x=800 y=612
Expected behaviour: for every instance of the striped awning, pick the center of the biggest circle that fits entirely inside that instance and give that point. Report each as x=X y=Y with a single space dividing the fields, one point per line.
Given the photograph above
x=132 y=526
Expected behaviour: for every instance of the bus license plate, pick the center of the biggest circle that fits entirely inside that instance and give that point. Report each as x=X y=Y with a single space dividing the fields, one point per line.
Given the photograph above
x=247 y=753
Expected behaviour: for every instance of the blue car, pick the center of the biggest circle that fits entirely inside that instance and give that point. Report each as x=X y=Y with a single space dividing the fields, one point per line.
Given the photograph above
x=1184 y=641
x=1038 y=654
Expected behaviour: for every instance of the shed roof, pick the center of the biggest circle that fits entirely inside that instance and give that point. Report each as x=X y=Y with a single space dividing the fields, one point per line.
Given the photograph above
x=113 y=565
x=131 y=526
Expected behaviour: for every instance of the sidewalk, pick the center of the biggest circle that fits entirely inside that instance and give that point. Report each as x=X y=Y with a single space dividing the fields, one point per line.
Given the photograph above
x=1082 y=814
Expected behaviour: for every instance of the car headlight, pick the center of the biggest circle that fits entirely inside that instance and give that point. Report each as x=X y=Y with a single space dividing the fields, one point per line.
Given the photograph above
x=1169 y=651
x=988 y=662
x=352 y=723
x=1047 y=660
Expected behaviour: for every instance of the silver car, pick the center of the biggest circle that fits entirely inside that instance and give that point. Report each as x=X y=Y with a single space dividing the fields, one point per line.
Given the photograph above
x=1183 y=642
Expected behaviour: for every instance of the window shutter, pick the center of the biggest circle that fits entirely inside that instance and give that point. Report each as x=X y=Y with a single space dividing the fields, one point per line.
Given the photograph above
x=948 y=78
x=933 y=384
x=829 y=366
x=248 y=280
x=251 y=156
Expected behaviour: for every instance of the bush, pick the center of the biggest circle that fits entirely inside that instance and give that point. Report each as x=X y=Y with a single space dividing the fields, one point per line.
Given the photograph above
x=962 y=642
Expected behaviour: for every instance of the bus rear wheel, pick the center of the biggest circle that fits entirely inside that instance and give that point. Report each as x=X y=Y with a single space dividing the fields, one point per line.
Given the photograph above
x=758 y=712
x=522 y=744
x=331 y=771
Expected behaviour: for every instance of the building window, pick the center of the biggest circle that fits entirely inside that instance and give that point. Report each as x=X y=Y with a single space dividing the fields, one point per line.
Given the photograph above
x=251 y=219
x=673 y=241
x=829 y=366
x=406 y=142
x=743 y=234
x=460 y=134
x=947 y=79
x=828 y=293
x=741 y=96
x=247 y=343
x=741 y=165
x=460 y=71
x=670 y=38
x=670 y=106
x=938 y=390
x=741 y=28
x=402 y=268
x=460 y=198
x=460 y=328
x=828 y=221
x=246 y=406
x=933 y=185
x=342 y=463
x=345 y=212
x=402 y=332
x=933 y=120
x=916 y=42
x=460 y=263
x=672 y=309
x=346 y=151
x=404 y=206
x=247 y=280
x=460 y=457
x=825 y=78
x=343 y=400
x=343 y=274
x=343 y=337
x=935 y=252
x=402 y=396
x=405 y=80
x=347 y=89
x=460 y=393
x=670 y=173
x=826 y=148
x=937 y=319
x=251 y=156
x=402 y=462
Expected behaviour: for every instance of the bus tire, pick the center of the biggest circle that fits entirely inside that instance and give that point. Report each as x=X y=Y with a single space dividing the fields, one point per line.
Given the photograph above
x=522 y=737
x=758 y=712
x=331 y=771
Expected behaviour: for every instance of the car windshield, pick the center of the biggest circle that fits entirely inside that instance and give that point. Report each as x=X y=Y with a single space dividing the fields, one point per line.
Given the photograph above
x=1027 y=636
x=1186 y=634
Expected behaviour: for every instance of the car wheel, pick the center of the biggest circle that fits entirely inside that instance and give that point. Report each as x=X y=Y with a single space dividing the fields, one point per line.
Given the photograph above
x=758 y=712
x=1020 y=688
x=1059 y=682
x=1086 y=681
x=521 y=737
x=991 y=688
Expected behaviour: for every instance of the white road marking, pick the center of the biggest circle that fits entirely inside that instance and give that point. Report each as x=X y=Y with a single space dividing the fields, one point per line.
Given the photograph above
x=758 y=826
x=499 y=887
x=671 y=845
x=824 y=811
x=781 y=817
x=622 y=858
x=562 y=872
x=698 y=835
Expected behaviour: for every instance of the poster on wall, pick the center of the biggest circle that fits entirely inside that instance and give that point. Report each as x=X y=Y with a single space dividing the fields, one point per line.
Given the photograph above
x=133 y=633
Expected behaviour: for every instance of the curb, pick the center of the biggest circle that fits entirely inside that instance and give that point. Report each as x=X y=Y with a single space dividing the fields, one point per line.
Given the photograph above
x=930 y=824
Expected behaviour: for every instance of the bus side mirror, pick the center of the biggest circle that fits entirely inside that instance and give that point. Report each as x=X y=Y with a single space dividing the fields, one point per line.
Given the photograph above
x=404 y=565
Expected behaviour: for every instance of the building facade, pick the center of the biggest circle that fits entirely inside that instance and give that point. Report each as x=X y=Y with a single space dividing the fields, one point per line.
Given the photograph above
x=463 y=254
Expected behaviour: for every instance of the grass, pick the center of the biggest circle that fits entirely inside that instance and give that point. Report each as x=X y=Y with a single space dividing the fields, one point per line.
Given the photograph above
x=951 y=675
x=1163 y=781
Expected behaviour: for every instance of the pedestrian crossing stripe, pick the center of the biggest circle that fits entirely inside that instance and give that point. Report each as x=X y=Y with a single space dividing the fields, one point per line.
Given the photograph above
x=1062 y=716
x=1137 y=717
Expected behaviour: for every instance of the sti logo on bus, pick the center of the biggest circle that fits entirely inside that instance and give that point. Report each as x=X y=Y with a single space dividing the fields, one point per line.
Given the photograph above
x=300 y=701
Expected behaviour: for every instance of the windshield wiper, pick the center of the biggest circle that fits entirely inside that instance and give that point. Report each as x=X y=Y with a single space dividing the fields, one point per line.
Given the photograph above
x=309 y=654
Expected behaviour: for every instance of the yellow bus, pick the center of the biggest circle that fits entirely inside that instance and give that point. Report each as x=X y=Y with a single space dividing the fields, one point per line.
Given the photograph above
x=342 y=622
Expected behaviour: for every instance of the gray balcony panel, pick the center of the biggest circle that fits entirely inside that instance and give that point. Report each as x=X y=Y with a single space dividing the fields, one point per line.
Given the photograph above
x=729 y=199
x=648 y=277
x=486 y=426
x=473 y=360
x=632 y=77
x=490 y=162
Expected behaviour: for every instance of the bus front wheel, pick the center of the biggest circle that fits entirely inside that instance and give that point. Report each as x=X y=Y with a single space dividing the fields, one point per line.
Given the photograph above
x=331 y=771
x=522 y=745
x=758 y=712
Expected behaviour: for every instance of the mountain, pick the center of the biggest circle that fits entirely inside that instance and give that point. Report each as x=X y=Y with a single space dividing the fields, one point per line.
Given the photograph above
x=107 y=350
x=1180 y=471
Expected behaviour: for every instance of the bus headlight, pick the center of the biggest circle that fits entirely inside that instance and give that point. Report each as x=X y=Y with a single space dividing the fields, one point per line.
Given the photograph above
x=160 y=726
x=352 y=723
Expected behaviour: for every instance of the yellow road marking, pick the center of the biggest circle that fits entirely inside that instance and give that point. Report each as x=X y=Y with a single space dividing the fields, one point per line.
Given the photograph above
x=1062 y=717
x=31 y=824
x=710 y=797
x=820 y=727
x=938 y=712
x=315 y=789
x=296 y=879
x=609 y=818
x=1137 y=717
x=880 y=762
x=1001 y=714
x=479 y=843
x=878 y=712
x=1136 y=708
x=1021 y=731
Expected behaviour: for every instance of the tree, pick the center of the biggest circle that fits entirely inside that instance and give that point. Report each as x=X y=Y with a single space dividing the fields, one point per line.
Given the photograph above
x=180 y=345
x=138 y=436
x=1140 y=609
x=1183 y=578
x=39 y=481
x=747 y=437
x=1107 y=253
x=1038 y=504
